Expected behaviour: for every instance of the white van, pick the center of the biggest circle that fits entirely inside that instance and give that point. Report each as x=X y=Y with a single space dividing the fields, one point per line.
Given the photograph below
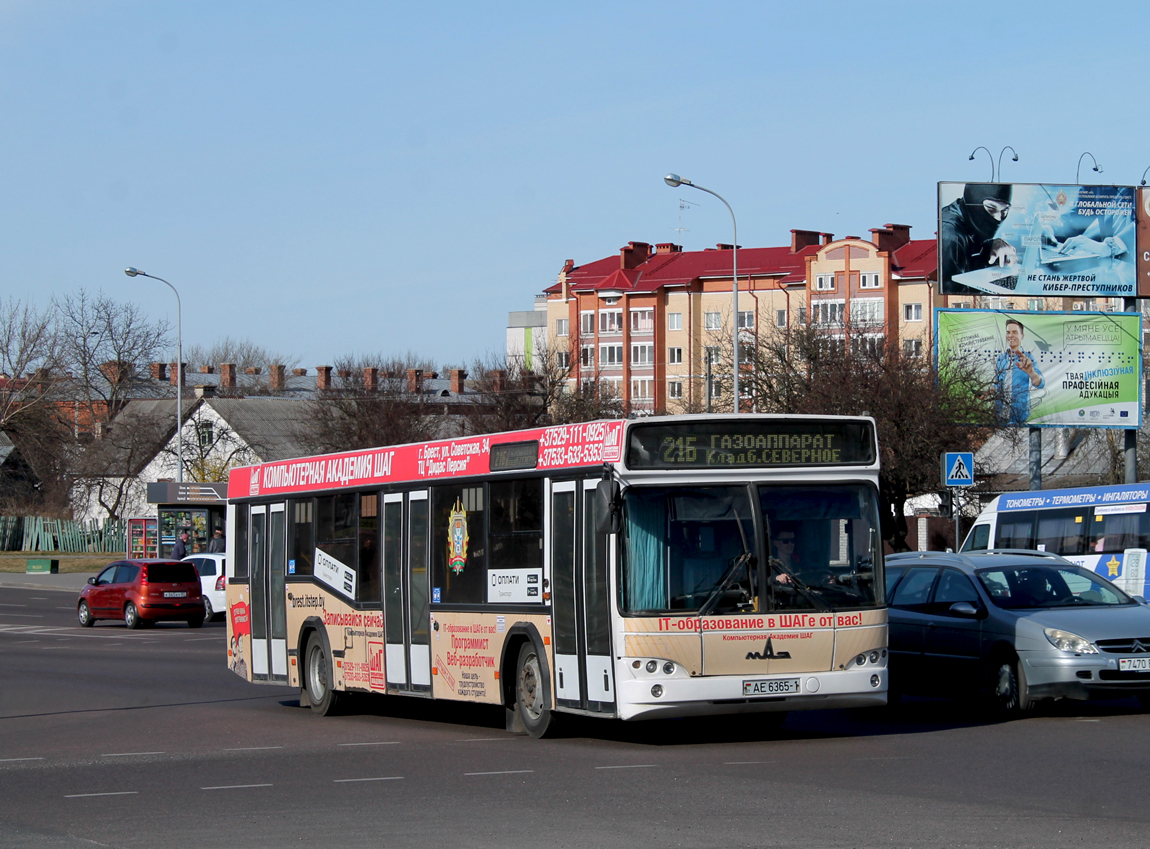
x=1103 y=528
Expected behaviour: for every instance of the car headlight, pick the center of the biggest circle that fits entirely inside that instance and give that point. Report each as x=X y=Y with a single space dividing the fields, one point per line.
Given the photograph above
x=1065 y=641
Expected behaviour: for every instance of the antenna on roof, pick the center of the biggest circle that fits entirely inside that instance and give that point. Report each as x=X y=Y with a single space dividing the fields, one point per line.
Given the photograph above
x=683 y=204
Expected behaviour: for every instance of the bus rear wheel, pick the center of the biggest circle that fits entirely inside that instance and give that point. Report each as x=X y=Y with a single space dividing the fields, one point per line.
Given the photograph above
x=321 y=694
x=530 y=694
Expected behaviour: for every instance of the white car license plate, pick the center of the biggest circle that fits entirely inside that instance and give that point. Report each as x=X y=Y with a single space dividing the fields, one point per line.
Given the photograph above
x=1134 y=664
x=176 y=595
x=778 y=686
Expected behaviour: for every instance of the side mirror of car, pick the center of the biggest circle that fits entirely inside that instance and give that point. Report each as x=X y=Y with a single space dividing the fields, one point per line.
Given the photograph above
x=92 y=580
x=1139 y=599
x=964 y=608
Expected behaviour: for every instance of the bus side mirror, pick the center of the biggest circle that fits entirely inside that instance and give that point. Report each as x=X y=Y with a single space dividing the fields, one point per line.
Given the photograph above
x=608 y=516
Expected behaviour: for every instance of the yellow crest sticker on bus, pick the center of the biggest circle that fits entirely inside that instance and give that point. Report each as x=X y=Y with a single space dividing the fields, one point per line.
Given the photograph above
x=457 y=537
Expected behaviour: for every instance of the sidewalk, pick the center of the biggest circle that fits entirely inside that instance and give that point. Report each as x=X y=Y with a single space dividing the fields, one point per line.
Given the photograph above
x=71 y=582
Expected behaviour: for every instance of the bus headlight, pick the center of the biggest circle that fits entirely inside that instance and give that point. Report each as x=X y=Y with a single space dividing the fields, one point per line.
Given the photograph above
x=652 y=665
x=657 y=691
x=668 y=668
x=875 y=680
x=860 y=660
x=874 y=657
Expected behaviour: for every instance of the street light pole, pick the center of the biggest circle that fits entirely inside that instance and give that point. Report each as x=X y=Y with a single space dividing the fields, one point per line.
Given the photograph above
x=135 y=272
x=674 y=181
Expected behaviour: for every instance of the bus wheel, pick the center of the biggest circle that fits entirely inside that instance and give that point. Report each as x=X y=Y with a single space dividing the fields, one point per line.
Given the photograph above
x=530 y=697
x=321 y=695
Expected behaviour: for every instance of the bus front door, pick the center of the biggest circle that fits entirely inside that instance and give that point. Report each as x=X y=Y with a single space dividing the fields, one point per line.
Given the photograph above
x=580 y=601
x=406 y=592
x=267 y=559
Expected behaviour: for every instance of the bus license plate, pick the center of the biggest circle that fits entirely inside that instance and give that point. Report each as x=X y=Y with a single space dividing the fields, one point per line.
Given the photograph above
x=1134 y=664
x=779 y=686
x=176 y=595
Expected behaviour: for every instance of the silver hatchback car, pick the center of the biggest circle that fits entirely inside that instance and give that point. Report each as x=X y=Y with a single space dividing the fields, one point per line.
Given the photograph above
x=1019 y=625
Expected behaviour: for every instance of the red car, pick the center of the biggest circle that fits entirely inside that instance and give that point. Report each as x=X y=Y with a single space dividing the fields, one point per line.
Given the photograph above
x=142 y=592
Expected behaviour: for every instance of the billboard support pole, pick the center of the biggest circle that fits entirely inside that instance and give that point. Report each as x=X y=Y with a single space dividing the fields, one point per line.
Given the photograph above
x=1130 y=449
x=1036 y=458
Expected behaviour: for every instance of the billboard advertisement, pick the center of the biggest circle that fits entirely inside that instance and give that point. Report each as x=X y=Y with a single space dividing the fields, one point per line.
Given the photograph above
x=1049 y=369
x=1037 y=240
x=1144 y=242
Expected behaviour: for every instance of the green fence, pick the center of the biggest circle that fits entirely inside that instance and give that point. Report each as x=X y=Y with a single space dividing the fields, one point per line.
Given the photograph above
x=35 y=533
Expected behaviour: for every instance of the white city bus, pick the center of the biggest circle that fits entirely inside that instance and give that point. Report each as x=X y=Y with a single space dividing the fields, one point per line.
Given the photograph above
x=1102 y=528
x=657 y=567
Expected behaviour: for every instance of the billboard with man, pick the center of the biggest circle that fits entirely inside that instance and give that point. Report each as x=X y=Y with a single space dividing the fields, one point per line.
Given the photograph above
x=1035 y=239
x=1049 y=369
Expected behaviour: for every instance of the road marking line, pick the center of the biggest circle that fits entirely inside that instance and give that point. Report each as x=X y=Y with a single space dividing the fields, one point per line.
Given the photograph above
x=502 y=772
x=1088 y=720
x=127 y=754
x=484 y=739
x=383 y=778
x=18 y=605
x=741 y=763
x=220 y=638
x=628 y=766
x=24 y=615
x=235 y=786
x=117 y=793
x=382 y=743
x=13 y=760
x=38 y=597
x=25 y=642
x=253 y=748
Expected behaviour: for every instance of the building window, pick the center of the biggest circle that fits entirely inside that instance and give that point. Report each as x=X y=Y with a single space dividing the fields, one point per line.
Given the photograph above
x=587 y=356
x=643 y=354
x=587 y=323
x=610 y=321
x=827 y=312
x=675 y=389
x=1034 y=304
x=912 y=312
x=674 y=321
x=206 y=434
x=868 y=280
x=871 y=346
x=674 y=356
x=642 y=389
x=563 y=359
x=611 y=387
x=562 y=325
x=642 y=321
x=712 y=321
x=802 y=315
x=912 y=347
x=610 y=355
x=711 y=355
x=825 y=282
x=746 y=320
x=867 y=310
x=780 y=318
x=715 y=389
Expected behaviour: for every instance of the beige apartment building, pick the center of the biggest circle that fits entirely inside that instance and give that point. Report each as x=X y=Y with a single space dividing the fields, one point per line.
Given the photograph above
x=649 y=321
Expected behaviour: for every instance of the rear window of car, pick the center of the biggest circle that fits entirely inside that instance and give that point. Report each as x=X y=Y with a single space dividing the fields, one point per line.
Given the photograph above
x=172 y=573
x=207 y=567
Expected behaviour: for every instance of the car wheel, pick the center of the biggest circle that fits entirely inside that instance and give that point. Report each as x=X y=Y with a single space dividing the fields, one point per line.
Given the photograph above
x=530 y=694
x=321 y=694
x=84 y=614
x=1009 y=689
x=132 y=616
x=208 y=611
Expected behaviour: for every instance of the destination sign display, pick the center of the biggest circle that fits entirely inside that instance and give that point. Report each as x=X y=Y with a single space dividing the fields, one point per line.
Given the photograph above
x=751 y=442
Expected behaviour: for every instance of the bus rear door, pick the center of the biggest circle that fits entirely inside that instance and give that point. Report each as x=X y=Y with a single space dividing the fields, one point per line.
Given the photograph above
x=406 y=593
x=268 y=612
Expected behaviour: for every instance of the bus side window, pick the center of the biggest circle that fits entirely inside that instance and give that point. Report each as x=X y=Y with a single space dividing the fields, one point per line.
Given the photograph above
x=1061 y=531
x=1116 y=532
x=978 y=539
x=1015 y=530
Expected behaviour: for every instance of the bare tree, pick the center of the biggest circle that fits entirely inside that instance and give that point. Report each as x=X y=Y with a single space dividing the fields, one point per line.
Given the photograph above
x=105 y=471
x=507 y=395
x=29 y=361
x=210 y=449
x=351 y=415
x=242 y=352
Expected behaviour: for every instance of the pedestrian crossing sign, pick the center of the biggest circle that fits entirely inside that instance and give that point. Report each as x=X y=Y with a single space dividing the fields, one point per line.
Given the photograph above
x=958 y=468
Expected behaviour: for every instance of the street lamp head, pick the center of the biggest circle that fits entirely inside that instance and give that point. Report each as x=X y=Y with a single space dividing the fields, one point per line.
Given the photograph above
x=132 y=272
x=674 y=180
x=971 y=157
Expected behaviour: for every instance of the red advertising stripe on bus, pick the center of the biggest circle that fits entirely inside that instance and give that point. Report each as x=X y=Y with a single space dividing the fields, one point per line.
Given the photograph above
x=560 y=447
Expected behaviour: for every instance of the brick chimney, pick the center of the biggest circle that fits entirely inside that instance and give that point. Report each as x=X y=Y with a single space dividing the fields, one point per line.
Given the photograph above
x=636 y=253
x=827 y=238
x=458 y=375
x=253 y=370
x=890 y=237
x=415 y=380
x=343 y=373
x=115 y=371
x=323 y=377
x=159 y=371
x=299 y=372
x=498 y=380
x=568 y=265
x=227 y=375
x=371 y=379
x=276 y=377
x=176 y=371
x=207 y=370
x=668 y=248
x=803 y=239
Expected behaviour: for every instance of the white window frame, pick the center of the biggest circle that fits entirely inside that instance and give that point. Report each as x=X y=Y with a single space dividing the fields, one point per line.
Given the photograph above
x=912 y=312
x=780 y=318
x=746 y=319
x=643 y=353
x=562 y=326
x=610 y=321
x=674 y=356
x=712 y=321
x=711 y=354
x=867 y=310
x=869 y=280
x=675 y=389
x=674 y=321
x=587 y=323
x=912 y=348
x=611 y=355
x=642 y=389
x=827 y=312
x=824 y=282
x=587 y=356
x=563 y=359
x=643 y=320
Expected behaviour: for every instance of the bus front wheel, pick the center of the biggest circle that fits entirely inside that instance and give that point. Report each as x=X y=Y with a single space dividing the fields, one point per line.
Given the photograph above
x=321 y=694
x=530 y=693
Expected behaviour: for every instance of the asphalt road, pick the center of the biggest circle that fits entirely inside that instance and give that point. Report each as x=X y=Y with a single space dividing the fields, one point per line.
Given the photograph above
x=111 y=737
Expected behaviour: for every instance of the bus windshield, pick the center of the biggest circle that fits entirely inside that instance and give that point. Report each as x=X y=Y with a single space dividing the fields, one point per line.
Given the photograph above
x=697 y=549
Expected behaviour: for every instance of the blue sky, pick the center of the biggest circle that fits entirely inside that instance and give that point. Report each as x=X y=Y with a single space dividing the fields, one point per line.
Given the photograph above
x=346 y=178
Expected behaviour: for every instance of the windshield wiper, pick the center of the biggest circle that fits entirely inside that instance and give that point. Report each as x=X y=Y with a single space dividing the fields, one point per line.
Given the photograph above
x=745 y=559
x=806 y=591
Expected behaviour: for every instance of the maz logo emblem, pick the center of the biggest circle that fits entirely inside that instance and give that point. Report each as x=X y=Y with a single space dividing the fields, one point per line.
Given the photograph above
x=768 y=653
